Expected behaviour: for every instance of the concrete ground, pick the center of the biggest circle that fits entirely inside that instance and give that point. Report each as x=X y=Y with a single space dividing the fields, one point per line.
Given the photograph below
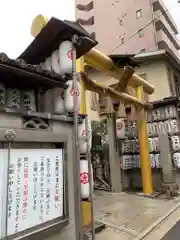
x=174 y=233
x=128 y=216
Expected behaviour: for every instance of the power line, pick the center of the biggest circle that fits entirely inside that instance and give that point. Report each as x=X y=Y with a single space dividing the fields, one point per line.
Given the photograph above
x=152 y=21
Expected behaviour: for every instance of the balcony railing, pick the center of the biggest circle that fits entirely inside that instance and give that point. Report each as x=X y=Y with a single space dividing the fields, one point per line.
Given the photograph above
x=159 y=5
x=162 y=24
x=164 y=42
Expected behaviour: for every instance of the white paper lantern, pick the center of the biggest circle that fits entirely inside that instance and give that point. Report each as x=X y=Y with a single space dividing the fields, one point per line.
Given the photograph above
x=175 y=143
x=127 y=162
x=84 y=177
x=82 y=129
x=120 y=128
x=82 y=146
x=82 y=134
x=69 y=96
x=65 y=57
x=174 y=126
x=176 y=159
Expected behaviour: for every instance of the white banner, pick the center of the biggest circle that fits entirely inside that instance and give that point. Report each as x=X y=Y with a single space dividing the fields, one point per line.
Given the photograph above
x=35 y=192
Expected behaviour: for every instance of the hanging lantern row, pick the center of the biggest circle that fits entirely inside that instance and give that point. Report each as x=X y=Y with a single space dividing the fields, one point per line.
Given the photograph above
x=85 y=142
x=61 y=62
x=133 y=161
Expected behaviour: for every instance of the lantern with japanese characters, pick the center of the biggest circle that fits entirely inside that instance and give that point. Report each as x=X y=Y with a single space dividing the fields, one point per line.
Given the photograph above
x=175 y=143
x=84 y=178
x=55 y=62
x=69 y=96
x=65 y=57
x=176 y=159
x=83 y=134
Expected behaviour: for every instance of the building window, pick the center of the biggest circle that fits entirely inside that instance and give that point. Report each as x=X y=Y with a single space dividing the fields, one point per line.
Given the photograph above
x=139 y=14
x=140 y=33
x=143 y=50
x=122 y=41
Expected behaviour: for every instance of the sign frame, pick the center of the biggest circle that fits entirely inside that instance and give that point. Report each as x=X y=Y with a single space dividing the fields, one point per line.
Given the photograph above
x=26 y=137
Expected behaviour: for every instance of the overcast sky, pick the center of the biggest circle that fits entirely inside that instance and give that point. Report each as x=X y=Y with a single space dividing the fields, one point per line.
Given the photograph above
x=16 y=18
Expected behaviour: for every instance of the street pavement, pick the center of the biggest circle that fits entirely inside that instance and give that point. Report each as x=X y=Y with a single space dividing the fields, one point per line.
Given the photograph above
x=174 y=233
x=128 y=216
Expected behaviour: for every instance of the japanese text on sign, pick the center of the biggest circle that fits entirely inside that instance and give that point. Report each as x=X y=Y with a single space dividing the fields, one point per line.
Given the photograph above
x=35 y=188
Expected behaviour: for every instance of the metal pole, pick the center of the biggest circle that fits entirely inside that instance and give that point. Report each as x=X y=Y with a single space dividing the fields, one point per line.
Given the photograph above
x=114 y=159
x=90 y=182
x=76 y=158
x=80 y=68
x=143 y=147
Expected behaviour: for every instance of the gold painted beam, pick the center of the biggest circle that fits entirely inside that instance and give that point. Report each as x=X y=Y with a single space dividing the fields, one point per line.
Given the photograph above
x=115 y=95
x=102 y=62
x=123 y=83
x=80 y=68
x=143 y=147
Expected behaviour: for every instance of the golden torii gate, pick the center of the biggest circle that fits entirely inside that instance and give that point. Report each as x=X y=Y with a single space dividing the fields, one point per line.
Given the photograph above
x=102 y=62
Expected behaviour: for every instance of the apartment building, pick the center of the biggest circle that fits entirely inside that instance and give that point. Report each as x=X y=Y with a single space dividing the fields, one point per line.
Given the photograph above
x=129 y=26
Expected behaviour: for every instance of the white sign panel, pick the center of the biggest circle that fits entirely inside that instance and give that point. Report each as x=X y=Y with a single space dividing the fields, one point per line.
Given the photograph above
x=35 y=193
